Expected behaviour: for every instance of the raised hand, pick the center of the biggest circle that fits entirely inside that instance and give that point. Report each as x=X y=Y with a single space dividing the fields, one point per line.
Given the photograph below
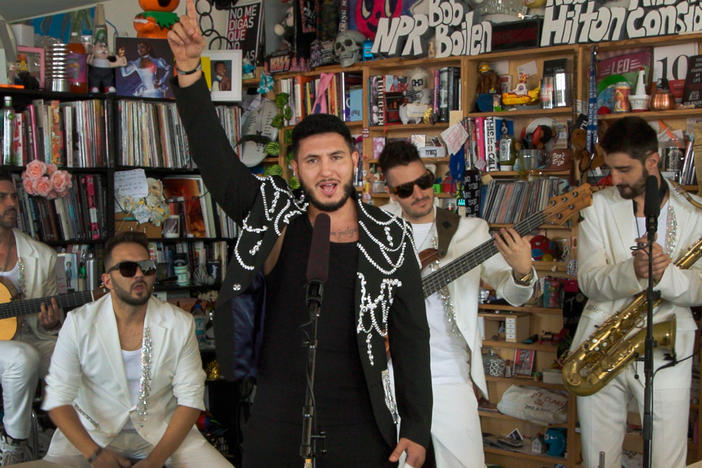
x=186 y=41
x=515 y=249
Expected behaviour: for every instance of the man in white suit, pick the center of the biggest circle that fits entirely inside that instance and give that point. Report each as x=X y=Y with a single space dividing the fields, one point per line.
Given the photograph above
x=28 y=266
x=610 y=274
x=456 y=361
x=126 y=380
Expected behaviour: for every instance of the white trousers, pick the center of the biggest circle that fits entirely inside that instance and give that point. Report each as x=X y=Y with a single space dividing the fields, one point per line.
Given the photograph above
x=195 y=451
x=455 y=427
x=22 y=362
x=603 y=415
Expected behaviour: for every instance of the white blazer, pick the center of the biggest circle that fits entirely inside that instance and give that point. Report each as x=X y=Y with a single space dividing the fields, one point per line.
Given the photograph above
x=39 y=276
x=606 y=267
x=465 y=290
x=87 y=370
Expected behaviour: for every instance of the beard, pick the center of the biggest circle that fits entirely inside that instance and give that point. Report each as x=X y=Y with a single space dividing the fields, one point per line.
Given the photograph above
x=629 y=192
x=8 y=219
x=346 y=189
x=127 y=298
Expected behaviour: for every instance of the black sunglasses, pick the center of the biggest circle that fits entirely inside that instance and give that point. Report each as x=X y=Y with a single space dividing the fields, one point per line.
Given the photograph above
x=128 y=268
x=406 y=189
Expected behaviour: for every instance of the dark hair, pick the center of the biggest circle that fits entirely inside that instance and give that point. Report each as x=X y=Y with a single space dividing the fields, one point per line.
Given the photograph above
x=632 y=136
x=397 y=153
x=124 y=237
x=315 y=124
x=5 y=174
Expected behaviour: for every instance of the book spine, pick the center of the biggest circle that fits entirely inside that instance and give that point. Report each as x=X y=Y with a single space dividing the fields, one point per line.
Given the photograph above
x=92 y=207
x=490 y=144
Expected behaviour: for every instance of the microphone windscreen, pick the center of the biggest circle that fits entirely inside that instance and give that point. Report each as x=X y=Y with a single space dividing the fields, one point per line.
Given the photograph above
x=318 y=261
x=651 y=202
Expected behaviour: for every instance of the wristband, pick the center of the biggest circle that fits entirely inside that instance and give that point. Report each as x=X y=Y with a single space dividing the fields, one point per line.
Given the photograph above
x=189 y=72
x=95 y=455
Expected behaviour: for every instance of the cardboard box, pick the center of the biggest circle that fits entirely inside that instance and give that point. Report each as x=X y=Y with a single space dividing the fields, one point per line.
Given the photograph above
x=126 y=222
x=516 y=326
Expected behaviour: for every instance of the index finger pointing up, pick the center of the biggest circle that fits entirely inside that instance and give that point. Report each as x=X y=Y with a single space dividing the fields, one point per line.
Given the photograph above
x=190 y=9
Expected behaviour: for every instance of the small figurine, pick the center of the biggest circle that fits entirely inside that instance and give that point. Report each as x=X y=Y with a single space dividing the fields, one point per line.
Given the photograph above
x=419 y=96
x=156 y=19
x=101 y=74
x=347 y=47
x=521 y=93
x=555 y=438
x=488 y=82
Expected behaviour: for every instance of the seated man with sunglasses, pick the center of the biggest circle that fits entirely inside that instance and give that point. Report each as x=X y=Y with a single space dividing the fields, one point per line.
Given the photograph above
x=456 y=362
x=126 y=379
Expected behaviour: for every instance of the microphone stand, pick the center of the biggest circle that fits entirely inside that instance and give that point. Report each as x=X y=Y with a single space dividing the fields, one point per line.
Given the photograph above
x=308 y=446
x=649 y=343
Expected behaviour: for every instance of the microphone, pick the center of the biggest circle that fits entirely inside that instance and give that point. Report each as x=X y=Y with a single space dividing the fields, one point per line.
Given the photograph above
x=317 y=263
x=651 y=205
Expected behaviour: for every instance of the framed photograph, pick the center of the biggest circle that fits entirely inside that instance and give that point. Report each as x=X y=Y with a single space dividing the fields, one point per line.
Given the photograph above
x=31 y=60
x=523 y=361
x=222 y=70
x=149 y=67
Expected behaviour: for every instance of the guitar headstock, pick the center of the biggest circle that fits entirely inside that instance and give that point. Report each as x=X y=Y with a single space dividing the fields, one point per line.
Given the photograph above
x=561 y=207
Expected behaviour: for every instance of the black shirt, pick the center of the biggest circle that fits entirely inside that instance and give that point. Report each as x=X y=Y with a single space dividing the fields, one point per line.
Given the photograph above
x=340 y=389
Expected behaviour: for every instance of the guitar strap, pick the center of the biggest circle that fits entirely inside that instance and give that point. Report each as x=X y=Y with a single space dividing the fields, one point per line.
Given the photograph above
x=446 y=227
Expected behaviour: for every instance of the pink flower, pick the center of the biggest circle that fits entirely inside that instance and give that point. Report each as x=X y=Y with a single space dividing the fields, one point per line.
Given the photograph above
x=36 y=169
x=28 y=184
x=61 y=181
x=51 y=168
x=42 y=186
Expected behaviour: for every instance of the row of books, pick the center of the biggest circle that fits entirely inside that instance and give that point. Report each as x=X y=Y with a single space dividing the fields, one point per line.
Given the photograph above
x=339 y=94
x=200 y=216
x=230 y=117
x=508 y=201
x=151 y=135
x=80 y=215
x=64 y=133
x=483 y=144
x=387 y=93
x=204 y=260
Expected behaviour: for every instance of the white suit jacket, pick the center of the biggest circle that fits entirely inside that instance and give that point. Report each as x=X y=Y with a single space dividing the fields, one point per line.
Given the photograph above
x=465 y=290
x=87 y=370
x=606 y=267
x=39 y=276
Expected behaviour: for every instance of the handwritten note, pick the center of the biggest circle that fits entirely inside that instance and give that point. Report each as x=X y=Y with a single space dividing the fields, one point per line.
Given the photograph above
x=454 y=137
x=131 y=183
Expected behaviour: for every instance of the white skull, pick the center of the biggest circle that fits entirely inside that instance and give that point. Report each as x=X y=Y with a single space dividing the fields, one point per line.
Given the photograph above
x=347 y=47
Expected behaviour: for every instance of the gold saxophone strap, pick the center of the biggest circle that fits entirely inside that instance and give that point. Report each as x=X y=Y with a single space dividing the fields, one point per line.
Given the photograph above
x=681 y=190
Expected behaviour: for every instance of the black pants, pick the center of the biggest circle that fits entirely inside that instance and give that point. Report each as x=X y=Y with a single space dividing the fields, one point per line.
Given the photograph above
x=274 y=444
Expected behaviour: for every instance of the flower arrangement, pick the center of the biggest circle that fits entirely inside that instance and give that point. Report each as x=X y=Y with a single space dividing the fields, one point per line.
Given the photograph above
x=46 y=180
x=151 y=208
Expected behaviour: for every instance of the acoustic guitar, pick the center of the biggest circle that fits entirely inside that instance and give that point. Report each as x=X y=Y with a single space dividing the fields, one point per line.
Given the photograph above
x=11 y=308
x=558 y=210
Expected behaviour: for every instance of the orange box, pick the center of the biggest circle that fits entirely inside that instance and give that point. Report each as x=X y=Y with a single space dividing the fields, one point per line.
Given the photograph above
x=126 y=222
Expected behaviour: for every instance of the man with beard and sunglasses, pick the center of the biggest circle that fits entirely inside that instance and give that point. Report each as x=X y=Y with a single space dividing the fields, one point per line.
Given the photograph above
x=28 y=267
x=373 y=291
x=126 y=384
x=456 y=361
x=612 y=269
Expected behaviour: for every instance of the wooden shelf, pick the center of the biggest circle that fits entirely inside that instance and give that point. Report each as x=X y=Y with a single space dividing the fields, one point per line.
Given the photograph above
x=653 y=115
x=550 y=266
x=404 y=128
x=424 y=160
x=524 y=381
x=498 y=415
x=558 y=111
x=525 y=308
x=523 y=454
x=548 y=348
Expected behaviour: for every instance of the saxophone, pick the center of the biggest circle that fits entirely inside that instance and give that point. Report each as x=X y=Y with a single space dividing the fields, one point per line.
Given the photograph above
x=604 y=353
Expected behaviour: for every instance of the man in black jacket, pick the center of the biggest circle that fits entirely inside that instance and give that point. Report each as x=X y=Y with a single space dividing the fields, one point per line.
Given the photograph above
x=373 y=291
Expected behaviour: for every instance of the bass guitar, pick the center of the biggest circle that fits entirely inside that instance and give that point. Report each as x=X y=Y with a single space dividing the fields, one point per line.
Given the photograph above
x=559 y=209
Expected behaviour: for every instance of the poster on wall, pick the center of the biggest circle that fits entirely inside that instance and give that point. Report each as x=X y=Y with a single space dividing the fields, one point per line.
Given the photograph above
x=149 y=66
x=244 y=30
x=62 y=25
